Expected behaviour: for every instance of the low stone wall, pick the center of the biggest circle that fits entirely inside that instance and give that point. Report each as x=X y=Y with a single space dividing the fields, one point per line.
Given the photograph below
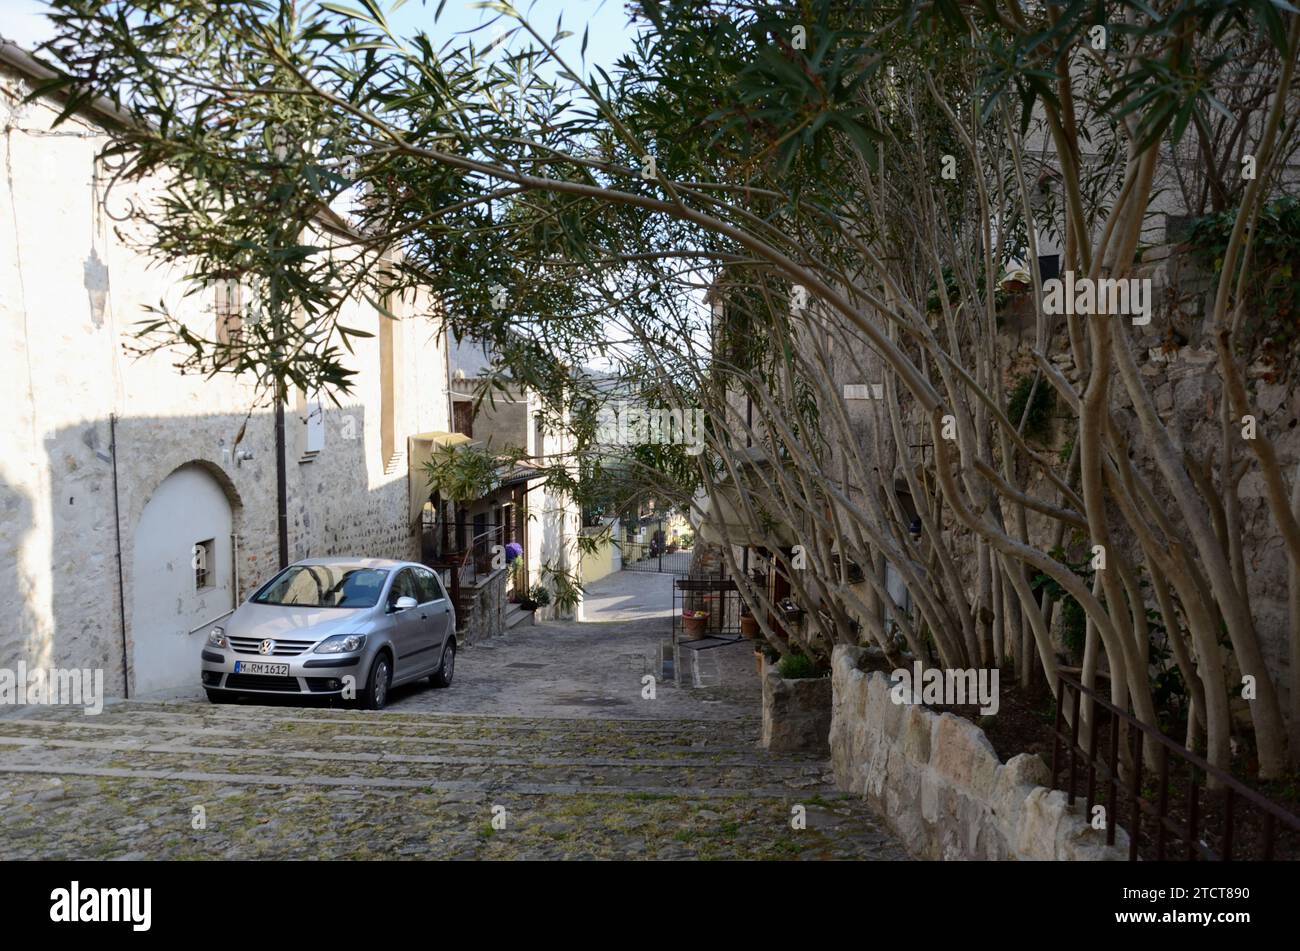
x=937 y=781
x=796 y=713
x=487 y=619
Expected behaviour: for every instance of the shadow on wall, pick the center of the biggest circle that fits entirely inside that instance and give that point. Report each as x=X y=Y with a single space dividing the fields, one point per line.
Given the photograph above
x=183 y=481
x=21 y=636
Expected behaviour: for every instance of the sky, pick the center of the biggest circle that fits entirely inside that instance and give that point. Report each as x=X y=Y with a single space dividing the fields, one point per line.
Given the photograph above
x=24 y=22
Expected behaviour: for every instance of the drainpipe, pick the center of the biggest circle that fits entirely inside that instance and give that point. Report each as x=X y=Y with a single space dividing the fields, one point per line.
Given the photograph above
x=451 y=415
x=281 y=480
x=117 y=535
x=234 y=571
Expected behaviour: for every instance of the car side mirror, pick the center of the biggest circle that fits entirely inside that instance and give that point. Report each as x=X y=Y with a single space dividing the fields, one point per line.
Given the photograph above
x=405 y=604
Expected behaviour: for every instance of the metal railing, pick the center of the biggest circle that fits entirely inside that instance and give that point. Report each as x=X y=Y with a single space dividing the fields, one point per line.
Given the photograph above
x=462 y=556
x=1184 y=799
x=478 y=558
x=717 y=597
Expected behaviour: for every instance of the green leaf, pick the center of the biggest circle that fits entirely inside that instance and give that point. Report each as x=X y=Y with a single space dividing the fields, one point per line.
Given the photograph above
x=351 y=13
x=1180 y=121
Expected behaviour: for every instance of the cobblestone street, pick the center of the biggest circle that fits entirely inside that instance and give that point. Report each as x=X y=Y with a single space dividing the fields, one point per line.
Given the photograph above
x=547 y=722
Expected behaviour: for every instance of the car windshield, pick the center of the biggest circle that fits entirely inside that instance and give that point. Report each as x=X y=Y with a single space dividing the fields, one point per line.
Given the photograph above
x=324 y=586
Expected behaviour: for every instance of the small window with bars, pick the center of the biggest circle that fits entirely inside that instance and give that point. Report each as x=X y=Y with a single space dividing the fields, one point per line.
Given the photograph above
x=202 y=564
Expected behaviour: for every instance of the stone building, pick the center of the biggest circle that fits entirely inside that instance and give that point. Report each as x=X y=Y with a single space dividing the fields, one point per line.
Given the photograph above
x=138 y=505
x=545 y=522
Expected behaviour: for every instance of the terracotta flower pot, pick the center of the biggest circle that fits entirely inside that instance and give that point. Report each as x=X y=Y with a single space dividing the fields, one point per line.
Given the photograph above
x=693 y=624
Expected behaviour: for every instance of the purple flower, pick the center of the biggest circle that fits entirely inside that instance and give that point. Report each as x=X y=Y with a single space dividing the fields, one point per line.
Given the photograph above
x=513 y=550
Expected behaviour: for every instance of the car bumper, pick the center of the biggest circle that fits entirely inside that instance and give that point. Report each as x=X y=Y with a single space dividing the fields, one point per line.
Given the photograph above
x=310 y=675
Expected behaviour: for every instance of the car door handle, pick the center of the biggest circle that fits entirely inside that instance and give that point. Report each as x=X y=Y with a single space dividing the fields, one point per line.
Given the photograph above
x=424 y=617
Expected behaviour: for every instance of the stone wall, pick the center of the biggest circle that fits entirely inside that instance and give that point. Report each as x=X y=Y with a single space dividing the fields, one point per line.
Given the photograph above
x=1177 y=361
x=940 y=786
x=487 y=618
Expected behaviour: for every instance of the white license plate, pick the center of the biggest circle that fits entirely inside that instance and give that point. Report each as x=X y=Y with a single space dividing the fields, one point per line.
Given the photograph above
x=257 y=667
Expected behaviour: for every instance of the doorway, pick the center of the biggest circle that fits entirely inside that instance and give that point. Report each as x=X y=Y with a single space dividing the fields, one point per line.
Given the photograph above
x=182 y=578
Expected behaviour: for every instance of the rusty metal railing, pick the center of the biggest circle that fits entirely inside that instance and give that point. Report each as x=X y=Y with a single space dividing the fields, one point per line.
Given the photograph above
x=1207 y=819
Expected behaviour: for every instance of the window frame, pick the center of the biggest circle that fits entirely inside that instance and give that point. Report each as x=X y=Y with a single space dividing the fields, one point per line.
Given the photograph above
x=204 y=575
x=434 y=582
x=394 y=593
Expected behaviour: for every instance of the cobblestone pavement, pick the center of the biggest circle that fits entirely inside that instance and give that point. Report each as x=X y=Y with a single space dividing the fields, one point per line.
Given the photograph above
x=545 y=729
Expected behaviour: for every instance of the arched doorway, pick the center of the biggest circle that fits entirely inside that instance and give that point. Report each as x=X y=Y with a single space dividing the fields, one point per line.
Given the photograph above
x=182 y=577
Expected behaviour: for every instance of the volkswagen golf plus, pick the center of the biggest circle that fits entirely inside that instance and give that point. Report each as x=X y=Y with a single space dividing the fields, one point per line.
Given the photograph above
x=340 y=627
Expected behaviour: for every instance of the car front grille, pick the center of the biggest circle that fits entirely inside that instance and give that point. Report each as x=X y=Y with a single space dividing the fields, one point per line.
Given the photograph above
x=252 y=645
x=255 y=682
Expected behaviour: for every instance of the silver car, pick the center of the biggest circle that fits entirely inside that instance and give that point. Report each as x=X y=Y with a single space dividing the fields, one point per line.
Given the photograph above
x=335 y=627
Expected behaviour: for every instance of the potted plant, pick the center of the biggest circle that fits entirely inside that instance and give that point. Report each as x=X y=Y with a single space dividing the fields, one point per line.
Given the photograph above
x=748 y=624
x=542 y=596
x=539 y=597
x=693 y=623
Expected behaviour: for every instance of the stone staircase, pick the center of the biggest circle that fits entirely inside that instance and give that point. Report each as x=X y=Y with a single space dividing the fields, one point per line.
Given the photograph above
x=316 y=782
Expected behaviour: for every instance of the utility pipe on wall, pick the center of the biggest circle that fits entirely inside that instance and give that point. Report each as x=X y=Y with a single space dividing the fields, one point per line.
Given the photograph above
x=117 y=536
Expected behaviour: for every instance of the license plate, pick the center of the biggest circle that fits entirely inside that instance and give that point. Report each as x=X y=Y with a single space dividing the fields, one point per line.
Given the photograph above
x=258 y=667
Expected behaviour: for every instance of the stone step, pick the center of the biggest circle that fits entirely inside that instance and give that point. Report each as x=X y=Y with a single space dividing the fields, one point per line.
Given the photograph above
x=738 y=772
x=493 y=785
x=741 y=743
x=179 y=711
x=516 y=615
x=539 y=745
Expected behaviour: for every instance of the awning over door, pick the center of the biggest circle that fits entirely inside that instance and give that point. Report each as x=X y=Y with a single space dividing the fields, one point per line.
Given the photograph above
x=419 y=453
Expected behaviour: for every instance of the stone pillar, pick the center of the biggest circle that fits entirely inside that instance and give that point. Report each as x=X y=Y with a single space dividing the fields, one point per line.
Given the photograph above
x=796 y=713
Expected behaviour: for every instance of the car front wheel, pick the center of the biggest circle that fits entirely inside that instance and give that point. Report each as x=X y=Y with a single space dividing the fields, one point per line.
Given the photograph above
x=448 y=666
x=381 y=676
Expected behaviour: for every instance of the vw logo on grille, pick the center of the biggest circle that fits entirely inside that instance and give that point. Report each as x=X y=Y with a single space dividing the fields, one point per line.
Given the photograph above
x=266 y=646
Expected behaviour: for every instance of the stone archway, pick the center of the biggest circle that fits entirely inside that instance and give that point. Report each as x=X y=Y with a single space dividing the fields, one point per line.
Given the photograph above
x=183 y=576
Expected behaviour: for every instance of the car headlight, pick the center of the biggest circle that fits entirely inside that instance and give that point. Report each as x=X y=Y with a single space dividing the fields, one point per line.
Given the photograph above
x=341 y=644
x=217 y=637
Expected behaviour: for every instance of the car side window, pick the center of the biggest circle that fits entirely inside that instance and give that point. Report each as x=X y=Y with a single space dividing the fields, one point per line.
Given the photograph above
x=429 y=587
x=403 y=587
x=439 y=591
